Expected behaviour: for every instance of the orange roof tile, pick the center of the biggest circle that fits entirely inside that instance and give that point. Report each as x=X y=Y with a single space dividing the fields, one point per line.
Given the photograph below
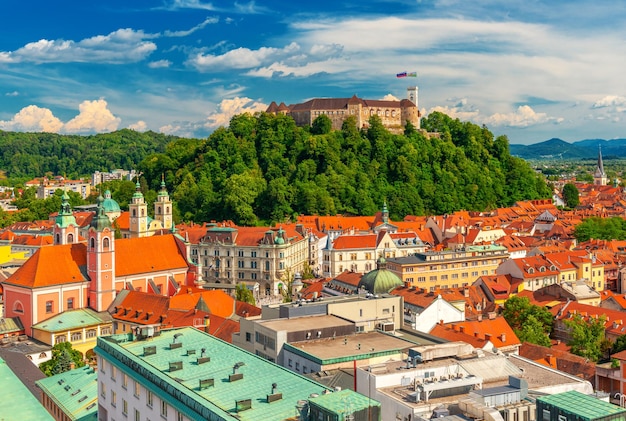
x=147 y=254
x=52 y=265
x=218 y=302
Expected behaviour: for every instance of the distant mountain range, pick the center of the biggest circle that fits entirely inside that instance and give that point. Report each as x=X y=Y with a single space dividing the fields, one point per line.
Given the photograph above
x=560 y=149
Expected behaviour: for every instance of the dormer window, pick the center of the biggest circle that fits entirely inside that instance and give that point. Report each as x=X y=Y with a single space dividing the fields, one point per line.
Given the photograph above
x=531 y=270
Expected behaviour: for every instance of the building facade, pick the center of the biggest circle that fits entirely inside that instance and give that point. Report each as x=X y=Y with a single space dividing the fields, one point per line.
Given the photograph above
x=394 y=114
x=448 y=269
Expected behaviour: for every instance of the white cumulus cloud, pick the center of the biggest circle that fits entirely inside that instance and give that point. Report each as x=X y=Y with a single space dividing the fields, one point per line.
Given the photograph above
x=159 y=64
x=241 y=58
x=33 y=119
x=121 y=46
x=617 y=103
x=230 y=107
x=139 y=126
x=94 y=116
x=524 y=116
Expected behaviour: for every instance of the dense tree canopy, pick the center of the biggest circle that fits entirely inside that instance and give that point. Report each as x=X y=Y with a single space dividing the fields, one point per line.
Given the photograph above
x=587 y=337
x=264 y=168
x=601 y=229
x=28 y=155
x=570 y=195
x=63 y=358
x=531 y=323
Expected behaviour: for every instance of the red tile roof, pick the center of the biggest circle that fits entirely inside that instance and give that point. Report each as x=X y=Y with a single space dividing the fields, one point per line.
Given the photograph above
x=52 y=265
x=218 y=302
x=147 y=254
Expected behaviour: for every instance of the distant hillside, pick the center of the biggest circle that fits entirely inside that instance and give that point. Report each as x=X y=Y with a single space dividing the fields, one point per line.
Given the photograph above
x=582 y=149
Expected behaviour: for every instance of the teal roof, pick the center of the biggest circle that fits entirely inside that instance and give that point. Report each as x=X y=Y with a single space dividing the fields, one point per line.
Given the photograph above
x=100 y=221
x=65 y=218
x=75 y=392
x=181 y=387
x=73 y=319
x=109 y=204
x=17 y=399
x=343 y=400
x=380 y=280
x=583 y=406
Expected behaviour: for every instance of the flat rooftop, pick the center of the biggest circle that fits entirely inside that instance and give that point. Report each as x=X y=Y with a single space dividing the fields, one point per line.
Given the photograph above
x=368 y=344
x=493 y=369
x=297 y=324
x=200 y=388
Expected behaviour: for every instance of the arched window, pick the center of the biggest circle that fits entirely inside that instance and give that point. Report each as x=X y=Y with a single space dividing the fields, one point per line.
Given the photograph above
x=134 y=212
x=159 y=209
x=143 y=212
x=92 y=243
x=167 y=209
x=70 y=238
x=18 y=307
x=106 y=243
x=58 y=240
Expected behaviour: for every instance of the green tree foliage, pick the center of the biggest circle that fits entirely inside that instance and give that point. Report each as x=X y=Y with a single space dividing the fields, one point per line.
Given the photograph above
x=321 y=125
x=570 y=195
x=619 y=344
x=63 y=356
x=613 y=228
x=264 y=168
x=243 y=294
x=587 y=336
x=531 y=323
x=28 y=155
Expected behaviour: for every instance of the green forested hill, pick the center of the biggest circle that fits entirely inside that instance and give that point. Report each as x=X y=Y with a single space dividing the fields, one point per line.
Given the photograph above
x=35 y=154
x=265 y=168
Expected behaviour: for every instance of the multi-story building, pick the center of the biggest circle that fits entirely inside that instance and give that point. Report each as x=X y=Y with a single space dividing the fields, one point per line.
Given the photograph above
x=186 y=374
x=326 y=318
x=393 y=113
x=359 y=253
x=263 y=258
x=46 y=187
x=102 y=177
x=449 y=268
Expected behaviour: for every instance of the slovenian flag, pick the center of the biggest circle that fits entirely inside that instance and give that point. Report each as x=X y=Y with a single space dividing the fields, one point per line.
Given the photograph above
x=405 y=74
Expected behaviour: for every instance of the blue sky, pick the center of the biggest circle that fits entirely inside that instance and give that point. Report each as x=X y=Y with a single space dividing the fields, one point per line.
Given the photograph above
x=532 y=70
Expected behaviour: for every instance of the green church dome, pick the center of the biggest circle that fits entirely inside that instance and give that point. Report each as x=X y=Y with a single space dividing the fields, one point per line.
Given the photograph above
x=380 y=280
x=109 y=204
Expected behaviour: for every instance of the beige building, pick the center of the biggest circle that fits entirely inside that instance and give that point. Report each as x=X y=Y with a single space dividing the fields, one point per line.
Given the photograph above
x=260 y=257
x=448 y=268
x=358 y=253
x=394 y=114
x=318 y=319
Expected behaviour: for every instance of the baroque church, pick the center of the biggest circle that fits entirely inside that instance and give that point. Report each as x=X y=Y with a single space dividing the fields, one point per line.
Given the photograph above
x=86 y=267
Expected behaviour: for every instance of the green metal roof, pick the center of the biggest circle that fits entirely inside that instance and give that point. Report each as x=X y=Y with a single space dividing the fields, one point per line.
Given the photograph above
x=75 y=392
x=181 y=387
x=584 y=406
x=17 y=399
x=73 y=319
x=344 y=401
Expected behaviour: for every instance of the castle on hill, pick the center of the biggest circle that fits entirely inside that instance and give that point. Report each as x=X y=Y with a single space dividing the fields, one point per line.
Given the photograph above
x=394 y=114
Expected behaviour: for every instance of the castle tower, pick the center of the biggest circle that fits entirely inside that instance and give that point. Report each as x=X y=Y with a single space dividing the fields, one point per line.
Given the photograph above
x=138 y=214
x=599 y=176
x=65 y=230
x=101 y=260
x=385 y=212
x=163 y=207
x=411 y=94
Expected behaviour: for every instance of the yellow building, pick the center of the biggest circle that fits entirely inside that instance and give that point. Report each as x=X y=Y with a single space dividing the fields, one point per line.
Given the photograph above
x=7 y=256
x=449 y=268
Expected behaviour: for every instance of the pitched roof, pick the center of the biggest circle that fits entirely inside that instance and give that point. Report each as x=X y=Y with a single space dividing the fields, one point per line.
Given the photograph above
x=218 y=302
x=496 y=330
x=560 y=360
x=147 y=254
x=52 y=265
x=140 y=308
